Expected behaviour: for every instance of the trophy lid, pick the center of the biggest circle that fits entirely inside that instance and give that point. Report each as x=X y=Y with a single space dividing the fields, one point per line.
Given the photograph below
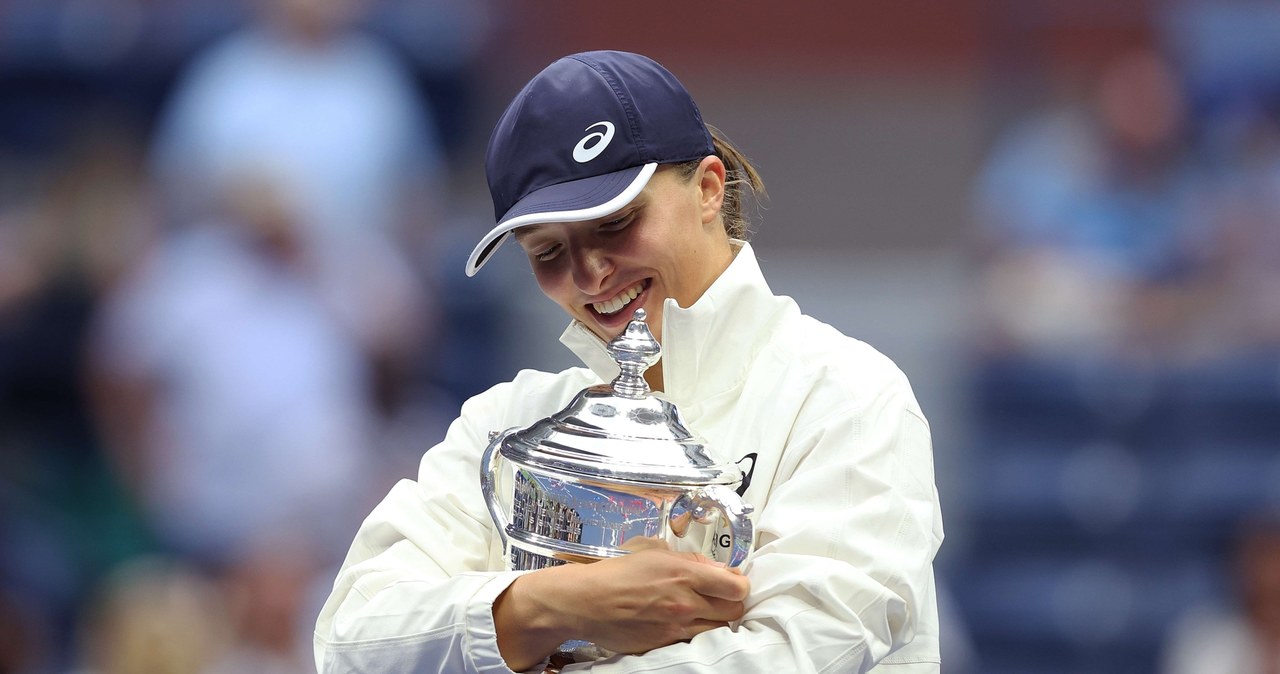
x=621 y=431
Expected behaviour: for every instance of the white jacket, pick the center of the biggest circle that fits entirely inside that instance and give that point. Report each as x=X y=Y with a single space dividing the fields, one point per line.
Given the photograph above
x=847 y=519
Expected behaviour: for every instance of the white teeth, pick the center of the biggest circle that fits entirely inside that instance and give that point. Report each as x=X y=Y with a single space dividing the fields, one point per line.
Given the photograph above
x=614 y=305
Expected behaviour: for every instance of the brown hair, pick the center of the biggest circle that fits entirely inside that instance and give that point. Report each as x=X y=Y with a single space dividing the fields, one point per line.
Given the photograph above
x=740 y=177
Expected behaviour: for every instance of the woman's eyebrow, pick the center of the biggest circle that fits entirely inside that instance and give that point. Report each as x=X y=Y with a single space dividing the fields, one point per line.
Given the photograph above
x=525 y=232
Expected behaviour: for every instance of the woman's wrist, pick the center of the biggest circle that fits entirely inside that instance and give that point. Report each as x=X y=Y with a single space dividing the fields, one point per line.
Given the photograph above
x=529 y=617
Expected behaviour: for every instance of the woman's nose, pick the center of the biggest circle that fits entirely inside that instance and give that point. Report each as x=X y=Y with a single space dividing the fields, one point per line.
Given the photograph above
x=590 y=269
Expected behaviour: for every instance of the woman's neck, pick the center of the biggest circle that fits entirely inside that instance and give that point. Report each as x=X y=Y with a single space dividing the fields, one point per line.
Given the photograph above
x=653 y=376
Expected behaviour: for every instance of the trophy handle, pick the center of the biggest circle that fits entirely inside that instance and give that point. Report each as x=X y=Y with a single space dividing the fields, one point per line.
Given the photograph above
x=488 y=485
x=706 y=505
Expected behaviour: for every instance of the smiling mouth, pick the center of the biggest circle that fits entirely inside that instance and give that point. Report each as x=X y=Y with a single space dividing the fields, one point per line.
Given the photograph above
x=619 y=301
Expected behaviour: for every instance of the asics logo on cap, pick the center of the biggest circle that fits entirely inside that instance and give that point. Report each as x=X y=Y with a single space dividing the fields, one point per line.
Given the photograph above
x=583 y=154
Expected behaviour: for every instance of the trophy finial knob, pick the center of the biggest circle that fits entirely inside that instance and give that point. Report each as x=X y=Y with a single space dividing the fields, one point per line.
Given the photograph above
x=635 y=350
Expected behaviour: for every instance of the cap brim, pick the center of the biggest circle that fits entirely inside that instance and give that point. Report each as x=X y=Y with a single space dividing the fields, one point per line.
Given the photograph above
x=574 y=201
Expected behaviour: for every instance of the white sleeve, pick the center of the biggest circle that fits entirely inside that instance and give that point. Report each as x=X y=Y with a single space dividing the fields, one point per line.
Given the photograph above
x=414 y=593
x=842 y=579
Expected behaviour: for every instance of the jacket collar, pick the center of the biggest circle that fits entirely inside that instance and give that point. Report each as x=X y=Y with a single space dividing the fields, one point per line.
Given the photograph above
x=707 y=348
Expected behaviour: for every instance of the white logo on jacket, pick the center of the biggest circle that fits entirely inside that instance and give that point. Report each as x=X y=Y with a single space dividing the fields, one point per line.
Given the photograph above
x=583 y=154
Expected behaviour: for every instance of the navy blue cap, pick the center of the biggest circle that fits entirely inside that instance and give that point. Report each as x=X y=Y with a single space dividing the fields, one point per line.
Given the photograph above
x=582 y=139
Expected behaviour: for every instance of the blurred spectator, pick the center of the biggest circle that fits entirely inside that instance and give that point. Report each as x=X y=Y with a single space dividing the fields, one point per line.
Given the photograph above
x=154 y=616
x=1084 y=211
x=1241 y=639
x=327 y=113
x=235 y=403
x=327 y=123
x=272 y=592
x=1238 y=300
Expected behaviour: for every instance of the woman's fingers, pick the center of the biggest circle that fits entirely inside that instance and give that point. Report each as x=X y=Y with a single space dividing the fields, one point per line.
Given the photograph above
x=644 y=543
x=723 y=611
x=714 y=580
x=697 y=627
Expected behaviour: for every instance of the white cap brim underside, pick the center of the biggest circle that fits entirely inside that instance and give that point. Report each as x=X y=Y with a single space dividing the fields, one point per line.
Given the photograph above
x=497 y=236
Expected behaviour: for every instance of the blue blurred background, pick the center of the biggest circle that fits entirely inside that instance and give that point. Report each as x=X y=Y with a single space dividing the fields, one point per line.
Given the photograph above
x=232 y=308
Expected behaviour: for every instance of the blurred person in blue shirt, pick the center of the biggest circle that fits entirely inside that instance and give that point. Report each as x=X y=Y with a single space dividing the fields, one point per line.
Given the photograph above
x=1084 y=213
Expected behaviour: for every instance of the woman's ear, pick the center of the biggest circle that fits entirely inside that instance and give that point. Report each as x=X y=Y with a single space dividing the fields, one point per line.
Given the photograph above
x=710 y=179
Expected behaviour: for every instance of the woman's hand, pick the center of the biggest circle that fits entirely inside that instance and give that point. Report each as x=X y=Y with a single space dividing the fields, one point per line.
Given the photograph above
x=629 y=604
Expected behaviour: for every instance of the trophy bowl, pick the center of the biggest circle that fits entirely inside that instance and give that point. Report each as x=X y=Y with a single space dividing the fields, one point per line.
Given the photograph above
x=615 y=471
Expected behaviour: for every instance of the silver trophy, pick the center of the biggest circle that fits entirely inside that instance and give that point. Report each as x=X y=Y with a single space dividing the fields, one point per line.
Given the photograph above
x=615 y=471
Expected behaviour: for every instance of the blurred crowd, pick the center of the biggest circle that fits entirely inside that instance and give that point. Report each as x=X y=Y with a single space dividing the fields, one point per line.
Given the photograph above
x=221 y=328
x=1137 y=220
x=228 y=322
x=1128 y=285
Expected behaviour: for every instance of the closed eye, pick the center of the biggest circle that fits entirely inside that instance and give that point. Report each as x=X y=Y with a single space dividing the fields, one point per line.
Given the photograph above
x=618 y=224
x=548 y=253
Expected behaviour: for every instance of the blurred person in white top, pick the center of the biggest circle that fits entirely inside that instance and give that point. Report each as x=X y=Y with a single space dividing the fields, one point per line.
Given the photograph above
x=1239 y=639
x=328 y=120
x=237 y=409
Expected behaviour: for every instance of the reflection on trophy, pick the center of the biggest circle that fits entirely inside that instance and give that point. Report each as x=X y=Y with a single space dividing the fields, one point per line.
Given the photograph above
x=615 y=471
